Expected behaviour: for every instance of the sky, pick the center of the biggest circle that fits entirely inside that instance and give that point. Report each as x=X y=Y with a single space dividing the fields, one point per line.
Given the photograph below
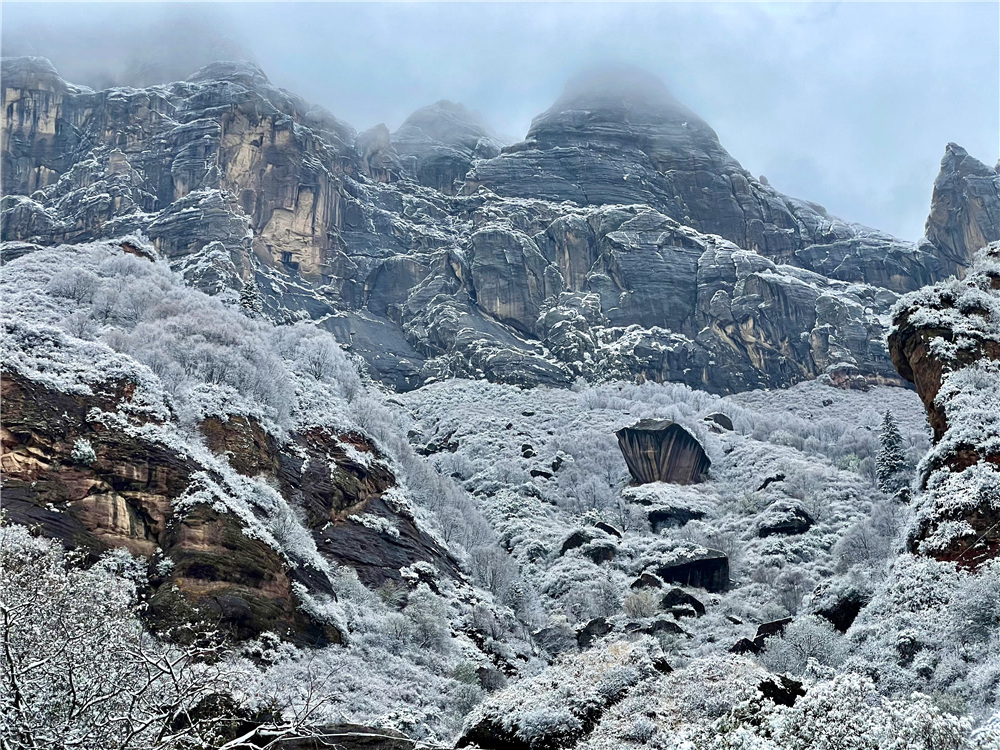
x=846 y=104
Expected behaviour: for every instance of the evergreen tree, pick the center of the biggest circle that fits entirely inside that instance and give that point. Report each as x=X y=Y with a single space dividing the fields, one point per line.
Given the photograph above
x=890 y=463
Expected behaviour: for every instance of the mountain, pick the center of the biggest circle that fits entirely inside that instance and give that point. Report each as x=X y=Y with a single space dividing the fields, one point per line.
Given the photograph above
x=247 y=503
x=619 y=239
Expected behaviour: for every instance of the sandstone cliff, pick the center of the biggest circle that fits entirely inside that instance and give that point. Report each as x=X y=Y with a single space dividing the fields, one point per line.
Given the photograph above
x=245 y=512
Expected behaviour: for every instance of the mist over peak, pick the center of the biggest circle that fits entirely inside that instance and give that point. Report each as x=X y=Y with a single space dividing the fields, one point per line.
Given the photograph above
x=617 y=83
x=808 y=94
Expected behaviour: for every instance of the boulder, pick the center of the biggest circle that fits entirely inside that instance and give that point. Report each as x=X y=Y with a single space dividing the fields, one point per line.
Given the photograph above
x=656 y=626
x=673 y=516
x=607 y=528
x=782 y=690
x=647 y=581
x=843 y=610
x=784 y=517
x=744 y=646
x=679 y=599
x=591 y=631
x=700 y=568
x=720 y=420
x=770 y=629
x=764 y=631
x=658 y=450
x=577 y=539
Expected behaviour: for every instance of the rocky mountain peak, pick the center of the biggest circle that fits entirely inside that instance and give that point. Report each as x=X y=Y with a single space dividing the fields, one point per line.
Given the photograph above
x=965 y=207
x=239 y=71
x=439 y=142
x=32 y=73
x=446 y=121
x=624 y=105
x=619 y=90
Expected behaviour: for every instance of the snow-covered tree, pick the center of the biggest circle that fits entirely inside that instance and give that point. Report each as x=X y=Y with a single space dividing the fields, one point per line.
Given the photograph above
x=78 y=669
x=890 y=463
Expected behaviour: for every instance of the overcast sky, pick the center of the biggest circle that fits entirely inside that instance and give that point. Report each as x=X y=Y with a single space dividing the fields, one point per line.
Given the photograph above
x=846 y=104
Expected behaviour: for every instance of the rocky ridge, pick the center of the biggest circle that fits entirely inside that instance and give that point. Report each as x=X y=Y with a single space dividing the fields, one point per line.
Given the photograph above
x=619 y=239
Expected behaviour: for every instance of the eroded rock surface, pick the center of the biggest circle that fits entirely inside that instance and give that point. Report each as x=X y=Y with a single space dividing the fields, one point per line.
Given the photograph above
x=965 y=208
x=658 y=450
x=618 y=240
x=128 y=491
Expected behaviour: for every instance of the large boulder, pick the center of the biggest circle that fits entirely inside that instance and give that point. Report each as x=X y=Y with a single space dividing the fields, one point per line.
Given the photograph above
x=658 y=450
x=784 y=517
x=691 y=565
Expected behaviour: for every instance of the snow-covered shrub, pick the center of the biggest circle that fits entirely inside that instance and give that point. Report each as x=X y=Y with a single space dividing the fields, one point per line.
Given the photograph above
x=808 y=639
x=77 y=667
x=83 y=452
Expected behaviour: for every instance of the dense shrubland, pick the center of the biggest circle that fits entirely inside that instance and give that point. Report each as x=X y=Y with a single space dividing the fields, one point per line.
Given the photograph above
x=824 y=451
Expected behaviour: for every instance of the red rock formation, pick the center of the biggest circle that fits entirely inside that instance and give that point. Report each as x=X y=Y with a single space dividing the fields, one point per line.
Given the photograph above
x=121 y=492
x=946 y=341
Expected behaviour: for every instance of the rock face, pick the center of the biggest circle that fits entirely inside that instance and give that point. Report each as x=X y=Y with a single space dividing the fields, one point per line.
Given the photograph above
x=965 y=208
x=618 y=136
x=946 y=341
x=619 y=240
x=439 y=143
x=125 y=492
x=658 y=450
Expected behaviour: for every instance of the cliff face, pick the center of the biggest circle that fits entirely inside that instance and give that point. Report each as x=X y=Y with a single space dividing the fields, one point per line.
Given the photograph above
x=94 y=471
x=619 y=239
x=620 y=137
x=946 y=341
x=965 y=208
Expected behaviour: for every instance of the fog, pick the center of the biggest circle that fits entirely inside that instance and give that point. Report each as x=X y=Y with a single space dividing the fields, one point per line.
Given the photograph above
x=846 y=104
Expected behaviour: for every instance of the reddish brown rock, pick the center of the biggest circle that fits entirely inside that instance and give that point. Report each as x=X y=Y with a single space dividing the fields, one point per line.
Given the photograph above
x=943 y=340
x=124 y=496
x=658 y=450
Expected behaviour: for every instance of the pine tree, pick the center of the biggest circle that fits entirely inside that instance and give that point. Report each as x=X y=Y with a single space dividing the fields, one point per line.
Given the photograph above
x=890 y=463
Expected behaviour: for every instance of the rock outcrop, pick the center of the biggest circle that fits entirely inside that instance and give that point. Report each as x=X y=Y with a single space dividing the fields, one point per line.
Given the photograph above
x=439 y=143
x=695 y=566
x=658 y=450
x=965 y=209
x=618 y=136
x=94 y=484
x=946 y=341
x=619 y=240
